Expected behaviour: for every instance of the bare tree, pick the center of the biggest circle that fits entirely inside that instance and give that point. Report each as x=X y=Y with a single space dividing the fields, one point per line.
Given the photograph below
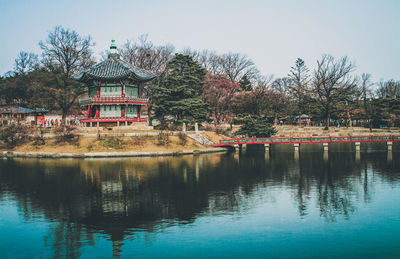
x=367 y=95
x=144 y=54
x=282 y=84
x=26 y=62
x=210 y=60
x=332 y=81
x=390 y=88
x=236 y=65
x=263 y=82
x=66 y=53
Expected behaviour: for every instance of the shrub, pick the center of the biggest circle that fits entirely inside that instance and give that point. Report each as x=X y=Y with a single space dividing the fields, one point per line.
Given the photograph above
x=66 y=133
x=136 y=141
x=208 y=127
x=112 y=142
x=164 y=125
x=182 y=138
x=38 y=138
x=163 y=138
x=13 y=135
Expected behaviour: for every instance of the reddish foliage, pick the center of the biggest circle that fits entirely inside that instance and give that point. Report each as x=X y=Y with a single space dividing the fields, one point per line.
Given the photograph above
x=218 y=92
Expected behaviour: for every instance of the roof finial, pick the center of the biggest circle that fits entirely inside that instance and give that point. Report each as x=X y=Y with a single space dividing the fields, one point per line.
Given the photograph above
x=113 y=49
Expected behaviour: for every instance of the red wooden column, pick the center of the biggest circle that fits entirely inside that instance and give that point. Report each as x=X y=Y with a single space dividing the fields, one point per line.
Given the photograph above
x=122 y=111
x=88 y=112
x=97 y=111
x=138 y=113
x=98 y=91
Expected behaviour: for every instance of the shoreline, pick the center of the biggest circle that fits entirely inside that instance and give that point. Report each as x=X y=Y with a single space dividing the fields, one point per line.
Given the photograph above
x=12 y=154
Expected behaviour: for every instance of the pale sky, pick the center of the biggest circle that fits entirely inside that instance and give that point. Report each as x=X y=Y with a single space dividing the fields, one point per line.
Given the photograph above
x=272 y=33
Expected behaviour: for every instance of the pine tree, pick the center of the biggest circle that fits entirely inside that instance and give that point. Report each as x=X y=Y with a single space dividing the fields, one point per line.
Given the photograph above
x=178 y=93
x=245 y=83
x=255 y=126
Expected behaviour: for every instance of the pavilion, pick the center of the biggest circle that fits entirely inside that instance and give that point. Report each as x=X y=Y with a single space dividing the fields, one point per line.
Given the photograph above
x=114 y=91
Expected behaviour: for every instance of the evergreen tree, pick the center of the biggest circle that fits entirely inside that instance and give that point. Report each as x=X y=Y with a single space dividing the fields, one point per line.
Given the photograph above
x=298 y=87
x=255 y=126
x=245 y=83
x=179 y=92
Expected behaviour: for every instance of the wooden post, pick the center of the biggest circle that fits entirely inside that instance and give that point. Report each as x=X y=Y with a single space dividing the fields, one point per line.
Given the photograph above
x=358 y=146
x=236 y=147
x=88 y=112
x=266 y=147
x=117 y=123
x=196 y=127
x=184 y=127
x=91 y=124
x=98 y=124
x=296 y=147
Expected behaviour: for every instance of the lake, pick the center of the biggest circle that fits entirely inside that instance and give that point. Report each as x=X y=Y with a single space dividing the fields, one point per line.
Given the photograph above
x=339 y=204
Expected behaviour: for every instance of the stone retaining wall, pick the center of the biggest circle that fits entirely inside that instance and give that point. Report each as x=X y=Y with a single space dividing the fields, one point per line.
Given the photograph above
x=109 y=154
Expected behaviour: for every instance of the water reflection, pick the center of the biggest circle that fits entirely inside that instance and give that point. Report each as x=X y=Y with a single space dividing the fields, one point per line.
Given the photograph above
x=118 y=197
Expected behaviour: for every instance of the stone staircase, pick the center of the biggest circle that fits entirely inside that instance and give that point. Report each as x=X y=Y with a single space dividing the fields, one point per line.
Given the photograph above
x=201 y=139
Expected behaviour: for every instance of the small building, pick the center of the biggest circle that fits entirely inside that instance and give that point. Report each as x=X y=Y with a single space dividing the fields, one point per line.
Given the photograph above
x=114 y=94
x=303 y=120
x=21 y=115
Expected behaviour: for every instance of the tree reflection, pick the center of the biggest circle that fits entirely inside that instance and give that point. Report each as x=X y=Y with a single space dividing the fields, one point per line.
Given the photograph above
x=118 y=197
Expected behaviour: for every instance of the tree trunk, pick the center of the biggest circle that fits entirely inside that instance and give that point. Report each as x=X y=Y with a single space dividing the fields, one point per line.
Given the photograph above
x=149 y=115
x=370 y=125
x=64 y=119
x=349 y=118
x=328 y=120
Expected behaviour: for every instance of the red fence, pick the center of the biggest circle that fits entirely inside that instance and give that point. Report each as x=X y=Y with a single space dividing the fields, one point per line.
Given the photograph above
x=309 y=140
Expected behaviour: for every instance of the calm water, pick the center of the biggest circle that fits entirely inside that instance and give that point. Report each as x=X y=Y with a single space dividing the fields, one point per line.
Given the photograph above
x=222 y=205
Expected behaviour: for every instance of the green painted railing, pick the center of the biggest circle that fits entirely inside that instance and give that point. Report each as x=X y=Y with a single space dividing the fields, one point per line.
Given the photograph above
x=318 y=139
x=341 y=139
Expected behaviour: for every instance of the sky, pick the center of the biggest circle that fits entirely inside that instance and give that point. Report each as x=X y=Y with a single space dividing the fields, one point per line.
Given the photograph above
x=272 y=33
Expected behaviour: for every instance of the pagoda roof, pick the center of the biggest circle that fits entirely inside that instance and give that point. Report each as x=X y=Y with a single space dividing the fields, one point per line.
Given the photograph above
x=113 y=68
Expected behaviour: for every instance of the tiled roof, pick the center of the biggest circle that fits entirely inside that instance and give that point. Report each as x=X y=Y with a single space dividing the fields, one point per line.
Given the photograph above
x=21 y=110
x=115 y=68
